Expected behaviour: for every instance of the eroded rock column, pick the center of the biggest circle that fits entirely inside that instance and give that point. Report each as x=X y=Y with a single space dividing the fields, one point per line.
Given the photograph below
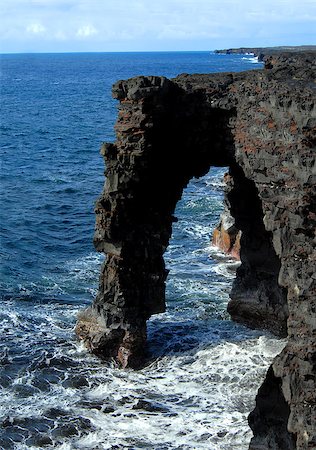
x=133 y=227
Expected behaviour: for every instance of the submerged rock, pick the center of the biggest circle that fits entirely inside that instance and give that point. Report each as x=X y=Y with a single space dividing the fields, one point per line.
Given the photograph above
x=150 y=406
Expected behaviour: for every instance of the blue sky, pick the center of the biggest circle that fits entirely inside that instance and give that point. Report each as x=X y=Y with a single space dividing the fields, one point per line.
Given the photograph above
x=149 y=25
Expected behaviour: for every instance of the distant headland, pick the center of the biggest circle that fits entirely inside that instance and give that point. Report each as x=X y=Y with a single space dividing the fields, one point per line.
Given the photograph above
x=259 y=51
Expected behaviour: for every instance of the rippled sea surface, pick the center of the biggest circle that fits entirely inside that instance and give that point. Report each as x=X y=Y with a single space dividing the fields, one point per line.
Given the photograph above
x=202 y=371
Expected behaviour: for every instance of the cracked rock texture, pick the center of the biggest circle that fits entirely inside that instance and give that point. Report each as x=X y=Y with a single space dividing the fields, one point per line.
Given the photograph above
x=261 y=124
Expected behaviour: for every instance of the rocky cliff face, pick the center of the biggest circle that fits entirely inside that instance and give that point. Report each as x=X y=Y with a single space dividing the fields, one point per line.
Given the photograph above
x=262 y=125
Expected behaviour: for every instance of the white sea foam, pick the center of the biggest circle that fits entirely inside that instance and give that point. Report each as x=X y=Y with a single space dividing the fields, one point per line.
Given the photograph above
x=201 y=397
x=87 y=267
x=226 y=265
x=200 y=388
x=226 y=270
x=201 y=376
x=196 y=230
x=253 y=59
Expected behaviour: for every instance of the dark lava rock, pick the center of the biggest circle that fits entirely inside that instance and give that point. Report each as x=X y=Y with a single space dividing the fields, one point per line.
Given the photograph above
x=54 y=413
x=261 y=124
x=222 y=434
x=39 y=440
x=76 y=382
x=66 y=430
x=149 y=406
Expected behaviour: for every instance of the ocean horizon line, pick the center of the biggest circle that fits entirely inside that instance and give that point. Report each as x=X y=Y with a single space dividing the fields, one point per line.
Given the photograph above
x=107 y=52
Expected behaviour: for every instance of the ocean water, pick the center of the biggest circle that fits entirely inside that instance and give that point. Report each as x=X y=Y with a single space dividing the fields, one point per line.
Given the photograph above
x=202 y=371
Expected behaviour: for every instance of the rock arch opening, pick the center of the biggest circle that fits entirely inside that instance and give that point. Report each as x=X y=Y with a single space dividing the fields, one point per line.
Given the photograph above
x=196 y=289
x=164 y=140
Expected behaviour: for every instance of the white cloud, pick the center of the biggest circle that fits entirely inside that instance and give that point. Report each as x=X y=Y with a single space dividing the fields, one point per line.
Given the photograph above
x=86 y=31
x=35 y=28
x=111 y=25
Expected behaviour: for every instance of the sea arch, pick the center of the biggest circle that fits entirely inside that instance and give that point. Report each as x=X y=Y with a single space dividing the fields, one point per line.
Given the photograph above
x=169 y=131
x=166 y=135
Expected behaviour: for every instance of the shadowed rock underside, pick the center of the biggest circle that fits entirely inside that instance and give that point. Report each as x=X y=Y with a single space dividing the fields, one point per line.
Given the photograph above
x=261 y=124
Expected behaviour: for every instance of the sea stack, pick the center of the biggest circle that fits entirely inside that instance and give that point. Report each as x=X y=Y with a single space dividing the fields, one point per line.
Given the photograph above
x=262 y=125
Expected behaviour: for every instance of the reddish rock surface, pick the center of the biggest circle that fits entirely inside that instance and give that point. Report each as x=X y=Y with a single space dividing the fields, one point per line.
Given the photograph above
x=262 y=125
x=226 y=235
x=227 y=238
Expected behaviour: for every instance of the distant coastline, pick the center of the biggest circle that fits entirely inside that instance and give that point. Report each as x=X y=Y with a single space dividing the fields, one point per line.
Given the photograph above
x=257 y=50
x=261 y=52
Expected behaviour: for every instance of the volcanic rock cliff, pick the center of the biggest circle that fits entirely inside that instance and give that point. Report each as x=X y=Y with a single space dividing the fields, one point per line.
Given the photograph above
x=261 y=124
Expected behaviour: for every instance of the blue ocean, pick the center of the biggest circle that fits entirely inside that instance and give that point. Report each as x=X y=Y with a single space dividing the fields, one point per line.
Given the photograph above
x=203 y=370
